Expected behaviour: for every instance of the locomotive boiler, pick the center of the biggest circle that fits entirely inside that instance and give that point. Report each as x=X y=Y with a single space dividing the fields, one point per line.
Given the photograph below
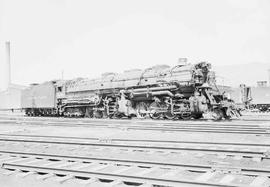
x=184 y=91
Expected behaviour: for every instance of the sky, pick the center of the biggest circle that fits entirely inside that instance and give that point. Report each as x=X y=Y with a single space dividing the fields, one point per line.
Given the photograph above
x=84 y=38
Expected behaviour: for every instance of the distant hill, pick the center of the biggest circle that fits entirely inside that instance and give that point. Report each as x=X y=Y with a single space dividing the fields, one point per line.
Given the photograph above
x=249 y=74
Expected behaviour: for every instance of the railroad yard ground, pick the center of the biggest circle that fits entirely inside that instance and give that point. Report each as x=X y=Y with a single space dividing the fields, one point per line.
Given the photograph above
x=38 y=151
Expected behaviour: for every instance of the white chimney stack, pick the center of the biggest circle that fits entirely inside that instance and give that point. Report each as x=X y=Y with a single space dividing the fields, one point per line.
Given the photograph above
x=8 y=74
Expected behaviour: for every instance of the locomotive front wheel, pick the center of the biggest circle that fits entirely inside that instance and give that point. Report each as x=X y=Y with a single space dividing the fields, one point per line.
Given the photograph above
x=169 y=115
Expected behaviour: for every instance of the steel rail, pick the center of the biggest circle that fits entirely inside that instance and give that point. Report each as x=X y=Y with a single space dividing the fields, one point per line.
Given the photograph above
x=189 y=128
x=136 y=140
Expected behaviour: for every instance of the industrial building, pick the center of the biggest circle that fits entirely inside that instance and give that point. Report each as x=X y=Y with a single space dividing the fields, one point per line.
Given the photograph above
x=10 y=98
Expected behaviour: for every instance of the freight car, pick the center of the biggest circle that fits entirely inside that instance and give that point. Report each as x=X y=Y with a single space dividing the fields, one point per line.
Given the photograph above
x=255 y=98
x=184 y=91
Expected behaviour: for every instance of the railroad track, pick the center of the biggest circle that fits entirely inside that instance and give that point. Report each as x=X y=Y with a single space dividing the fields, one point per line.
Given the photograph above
x=134 y=173
x=223 y=149
x=214 y=127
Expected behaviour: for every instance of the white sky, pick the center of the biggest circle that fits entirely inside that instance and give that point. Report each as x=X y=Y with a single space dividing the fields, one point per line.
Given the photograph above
x=87 y=38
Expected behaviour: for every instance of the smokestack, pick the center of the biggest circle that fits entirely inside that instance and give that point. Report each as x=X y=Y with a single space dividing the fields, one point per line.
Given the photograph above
x=8 y=76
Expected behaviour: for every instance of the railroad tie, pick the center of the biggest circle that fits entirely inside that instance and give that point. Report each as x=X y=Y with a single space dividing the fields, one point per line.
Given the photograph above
x=123 y=169
x=31 y=161
x=53 y=163
x=146 y=171
x=83 y=165
x=199 y=154
x=151 y=152
x=206 y=176
x=65 y=164
x=259 y=181
x=8 y=158
x=238 y=157
x=25 y=174
x=146 y=185
x=171 y=173
x=114 y=183
x=63 y=179
x=266 y=152
x=19 y=159
x=164 y=153
x=257 y=159
x=227 y=179
x=89 y=181
x=222 y=156
x=46 y=176
x=10 y=172
x=100 y=166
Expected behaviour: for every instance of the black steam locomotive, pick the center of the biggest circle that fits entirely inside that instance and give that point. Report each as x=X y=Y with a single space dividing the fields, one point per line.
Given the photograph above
x=184 y=91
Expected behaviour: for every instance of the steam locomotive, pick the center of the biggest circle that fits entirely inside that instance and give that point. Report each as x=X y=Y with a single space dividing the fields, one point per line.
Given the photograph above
x=184 y=91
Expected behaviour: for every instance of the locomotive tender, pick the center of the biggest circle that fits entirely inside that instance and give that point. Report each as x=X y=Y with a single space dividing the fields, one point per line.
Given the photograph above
x=184 y=91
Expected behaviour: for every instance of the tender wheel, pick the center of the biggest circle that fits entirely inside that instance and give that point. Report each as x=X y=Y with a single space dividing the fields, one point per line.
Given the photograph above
x=97 y=114
x=153 y=108
x=186 y=115
x=141 y=110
